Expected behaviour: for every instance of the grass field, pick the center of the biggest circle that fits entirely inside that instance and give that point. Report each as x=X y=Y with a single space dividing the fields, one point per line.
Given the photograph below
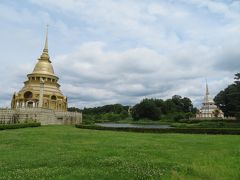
x=66 y=152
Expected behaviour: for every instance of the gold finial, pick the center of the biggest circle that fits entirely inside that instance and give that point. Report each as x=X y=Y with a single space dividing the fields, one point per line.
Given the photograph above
x=45 y=55
x=46 y=41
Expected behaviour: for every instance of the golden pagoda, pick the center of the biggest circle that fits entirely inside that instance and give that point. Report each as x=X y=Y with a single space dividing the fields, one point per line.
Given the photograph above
x=41 y=90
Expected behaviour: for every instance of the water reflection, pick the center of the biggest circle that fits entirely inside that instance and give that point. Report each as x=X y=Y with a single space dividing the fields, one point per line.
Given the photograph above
x=120 y=125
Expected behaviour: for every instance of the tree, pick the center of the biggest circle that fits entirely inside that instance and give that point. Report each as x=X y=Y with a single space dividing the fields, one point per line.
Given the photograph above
x=182 y=104
x=177 y=100
x=229 y=99
x=237 y=78
x=74 y=109
x=147 y=108
x=170 y=106
x=187 y=105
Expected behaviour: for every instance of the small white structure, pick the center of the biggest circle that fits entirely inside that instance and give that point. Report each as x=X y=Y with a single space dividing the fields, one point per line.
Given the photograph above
x=209 y=110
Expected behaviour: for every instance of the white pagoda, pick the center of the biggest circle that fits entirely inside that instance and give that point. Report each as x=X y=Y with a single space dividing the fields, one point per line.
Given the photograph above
x=209 y=110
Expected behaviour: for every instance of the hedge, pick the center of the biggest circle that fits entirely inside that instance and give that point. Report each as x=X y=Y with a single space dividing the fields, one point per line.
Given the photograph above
x=20 y=125
x=168 y=130
x=190 y=121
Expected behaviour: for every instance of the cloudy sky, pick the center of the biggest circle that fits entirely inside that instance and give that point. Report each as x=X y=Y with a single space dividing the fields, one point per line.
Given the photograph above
x=121 y=51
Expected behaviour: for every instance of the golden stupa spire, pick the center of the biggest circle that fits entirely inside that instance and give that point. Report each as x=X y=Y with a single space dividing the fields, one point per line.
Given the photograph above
x=45 y=55
x=46 y=41
x=44 y=65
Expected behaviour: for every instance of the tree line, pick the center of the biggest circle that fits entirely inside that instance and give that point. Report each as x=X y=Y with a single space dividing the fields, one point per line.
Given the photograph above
x=112 y=108
x=112 y=112
x=154 y=109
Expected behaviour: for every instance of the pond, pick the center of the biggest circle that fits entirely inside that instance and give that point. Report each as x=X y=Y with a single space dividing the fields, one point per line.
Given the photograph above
x=125 y=125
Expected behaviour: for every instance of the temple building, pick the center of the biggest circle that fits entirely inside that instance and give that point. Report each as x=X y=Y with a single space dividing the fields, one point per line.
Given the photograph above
x=40 y=99
x=41 y=88
x=209 y=110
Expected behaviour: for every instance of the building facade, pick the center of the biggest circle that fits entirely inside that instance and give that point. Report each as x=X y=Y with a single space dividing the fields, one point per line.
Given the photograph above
x=209 y=110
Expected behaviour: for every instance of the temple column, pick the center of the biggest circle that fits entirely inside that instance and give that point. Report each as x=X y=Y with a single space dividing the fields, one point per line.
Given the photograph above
x=40 y=104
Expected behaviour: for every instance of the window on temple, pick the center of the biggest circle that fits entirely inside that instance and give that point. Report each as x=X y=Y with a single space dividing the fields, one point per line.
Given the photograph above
x=28 y=95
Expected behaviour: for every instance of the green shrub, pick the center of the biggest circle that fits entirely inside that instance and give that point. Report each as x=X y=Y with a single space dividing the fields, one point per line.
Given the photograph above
x=178 y=117
x=238 y=116
x=19 y=125
x=207 y=124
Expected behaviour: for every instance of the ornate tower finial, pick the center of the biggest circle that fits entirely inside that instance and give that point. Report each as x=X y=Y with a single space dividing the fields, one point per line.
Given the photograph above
x=45 y=56
x=46 y=41
x=207 y=93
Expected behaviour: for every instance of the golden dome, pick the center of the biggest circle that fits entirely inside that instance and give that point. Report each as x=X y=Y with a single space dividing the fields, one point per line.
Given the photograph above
x=43 y=67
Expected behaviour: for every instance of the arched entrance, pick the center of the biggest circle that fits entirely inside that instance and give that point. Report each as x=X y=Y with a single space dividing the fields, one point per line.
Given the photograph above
x=30 y=104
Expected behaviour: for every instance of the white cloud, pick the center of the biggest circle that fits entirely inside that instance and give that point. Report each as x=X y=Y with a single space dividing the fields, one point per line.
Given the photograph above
x=98 y=74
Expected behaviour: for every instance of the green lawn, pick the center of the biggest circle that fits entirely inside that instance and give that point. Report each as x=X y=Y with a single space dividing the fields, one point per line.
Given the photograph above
x=66 y=152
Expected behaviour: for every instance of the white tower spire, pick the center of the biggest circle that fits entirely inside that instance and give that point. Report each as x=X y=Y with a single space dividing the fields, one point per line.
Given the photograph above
x=206 y=98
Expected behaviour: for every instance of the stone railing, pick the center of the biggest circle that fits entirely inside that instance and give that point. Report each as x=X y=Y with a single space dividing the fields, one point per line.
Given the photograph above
x=45 y=116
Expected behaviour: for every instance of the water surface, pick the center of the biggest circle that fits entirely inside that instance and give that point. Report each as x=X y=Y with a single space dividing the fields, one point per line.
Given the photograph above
x=125 y=125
